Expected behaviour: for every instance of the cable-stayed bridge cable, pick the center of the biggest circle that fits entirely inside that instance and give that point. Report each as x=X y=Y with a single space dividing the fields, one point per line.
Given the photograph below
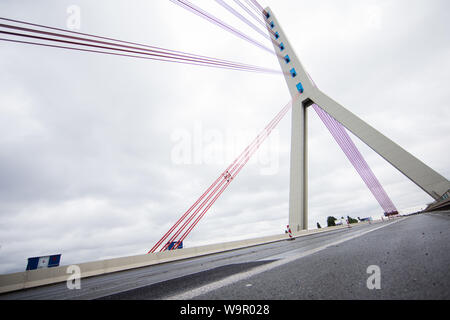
x=241 y=165
x=257 y=5
x=347 y=145
x=249 y=12
x=228 y=175
x=244 y=19
x=205 y=15
x=349 y=148
x=118 y=47
x=196 y=212
x=252 y=5
x=106 y=38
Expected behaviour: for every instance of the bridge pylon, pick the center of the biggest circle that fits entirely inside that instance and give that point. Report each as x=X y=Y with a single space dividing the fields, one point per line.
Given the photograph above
x=304 y=94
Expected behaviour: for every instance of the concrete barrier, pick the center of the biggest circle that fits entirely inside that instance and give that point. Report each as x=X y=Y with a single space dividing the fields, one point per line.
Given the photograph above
x=40 y=277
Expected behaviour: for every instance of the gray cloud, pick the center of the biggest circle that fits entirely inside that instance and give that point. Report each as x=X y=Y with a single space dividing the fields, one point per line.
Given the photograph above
x=86 y=140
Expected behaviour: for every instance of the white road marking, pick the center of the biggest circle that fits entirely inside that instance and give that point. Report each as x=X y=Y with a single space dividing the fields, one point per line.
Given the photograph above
x=247 y=274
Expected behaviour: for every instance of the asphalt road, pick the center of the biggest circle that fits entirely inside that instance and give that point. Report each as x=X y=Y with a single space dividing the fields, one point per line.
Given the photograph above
x=412 y=256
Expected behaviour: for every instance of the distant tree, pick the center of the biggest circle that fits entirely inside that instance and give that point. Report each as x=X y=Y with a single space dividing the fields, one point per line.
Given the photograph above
x=331 y=221
x=318 y=226
x=351 y=220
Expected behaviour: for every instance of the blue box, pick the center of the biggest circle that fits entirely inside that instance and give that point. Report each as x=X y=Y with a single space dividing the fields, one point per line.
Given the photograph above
x=32 y=263
x=172 y=244
x=293 y=72
x=43 y=262
x=54 y=260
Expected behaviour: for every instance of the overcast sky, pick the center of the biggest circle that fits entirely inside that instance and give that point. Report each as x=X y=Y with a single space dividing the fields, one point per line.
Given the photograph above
x=90 y=161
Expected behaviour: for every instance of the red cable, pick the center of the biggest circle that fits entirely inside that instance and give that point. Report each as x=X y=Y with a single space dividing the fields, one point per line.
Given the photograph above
x=111 y=39
x=182 y=217
x=248 y=156
x=260 y=139
x=159 y=57
x=159 y=51
x=230 y=170
x=248 y=152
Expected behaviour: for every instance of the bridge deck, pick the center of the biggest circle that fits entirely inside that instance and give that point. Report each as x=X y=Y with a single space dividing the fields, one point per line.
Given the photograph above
x=413 y=255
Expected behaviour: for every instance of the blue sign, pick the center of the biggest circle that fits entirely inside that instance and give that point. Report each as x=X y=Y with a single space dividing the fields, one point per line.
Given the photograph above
x=43 y=262
x=172 y=244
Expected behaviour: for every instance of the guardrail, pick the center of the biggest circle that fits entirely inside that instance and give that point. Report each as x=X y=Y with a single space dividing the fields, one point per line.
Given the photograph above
x=40 y=277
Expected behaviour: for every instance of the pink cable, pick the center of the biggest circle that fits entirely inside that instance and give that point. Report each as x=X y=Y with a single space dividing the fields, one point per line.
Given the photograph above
x=244 y=155
x=232 y=170
x=356 y=159
x=203 y=14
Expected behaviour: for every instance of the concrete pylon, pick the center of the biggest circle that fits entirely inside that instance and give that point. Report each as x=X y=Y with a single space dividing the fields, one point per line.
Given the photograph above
x=295 y=74
x=304 y=93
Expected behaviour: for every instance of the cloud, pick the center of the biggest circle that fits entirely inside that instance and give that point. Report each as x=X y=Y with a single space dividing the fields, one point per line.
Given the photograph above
x=86 y=140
